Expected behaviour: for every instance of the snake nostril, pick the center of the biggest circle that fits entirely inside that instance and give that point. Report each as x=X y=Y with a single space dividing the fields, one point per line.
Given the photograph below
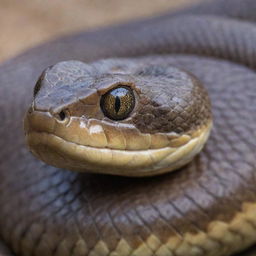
x=62 y=115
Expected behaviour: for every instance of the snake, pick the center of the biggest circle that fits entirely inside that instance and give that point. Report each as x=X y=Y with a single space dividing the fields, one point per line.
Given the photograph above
x=163 y=84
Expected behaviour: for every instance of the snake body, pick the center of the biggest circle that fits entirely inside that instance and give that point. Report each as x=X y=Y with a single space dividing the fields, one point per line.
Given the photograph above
x=206 y=208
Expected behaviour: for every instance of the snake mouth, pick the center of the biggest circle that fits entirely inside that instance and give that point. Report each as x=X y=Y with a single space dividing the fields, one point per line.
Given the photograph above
x=61 y=153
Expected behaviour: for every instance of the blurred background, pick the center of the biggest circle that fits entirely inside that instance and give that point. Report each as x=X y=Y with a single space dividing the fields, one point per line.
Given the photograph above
x=26 y=23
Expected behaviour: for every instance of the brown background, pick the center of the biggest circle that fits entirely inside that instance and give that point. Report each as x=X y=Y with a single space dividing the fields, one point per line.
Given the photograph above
x=25 y=23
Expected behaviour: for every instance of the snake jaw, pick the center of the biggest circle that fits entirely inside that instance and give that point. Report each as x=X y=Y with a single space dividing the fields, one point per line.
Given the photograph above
x=94 y=153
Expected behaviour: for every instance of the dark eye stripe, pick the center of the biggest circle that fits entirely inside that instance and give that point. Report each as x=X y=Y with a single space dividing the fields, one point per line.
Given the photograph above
x=37 y=86
x=39 y=82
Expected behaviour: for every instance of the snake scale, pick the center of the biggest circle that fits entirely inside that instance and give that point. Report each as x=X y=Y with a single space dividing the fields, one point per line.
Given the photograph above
x=206 y=208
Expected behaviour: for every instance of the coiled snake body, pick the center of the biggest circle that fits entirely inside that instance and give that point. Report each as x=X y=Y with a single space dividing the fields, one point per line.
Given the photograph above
x=206 y=208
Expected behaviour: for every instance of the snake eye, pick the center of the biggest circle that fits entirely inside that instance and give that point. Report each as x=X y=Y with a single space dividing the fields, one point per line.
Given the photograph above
x=118 y=103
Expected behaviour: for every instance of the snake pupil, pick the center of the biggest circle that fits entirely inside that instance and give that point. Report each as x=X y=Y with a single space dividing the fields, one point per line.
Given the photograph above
x=117 y=104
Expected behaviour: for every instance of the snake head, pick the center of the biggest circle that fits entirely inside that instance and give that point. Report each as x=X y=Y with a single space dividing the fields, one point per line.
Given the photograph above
x=118 y=116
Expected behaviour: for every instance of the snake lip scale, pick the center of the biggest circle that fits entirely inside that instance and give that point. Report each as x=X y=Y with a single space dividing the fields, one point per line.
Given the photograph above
x=56 y=155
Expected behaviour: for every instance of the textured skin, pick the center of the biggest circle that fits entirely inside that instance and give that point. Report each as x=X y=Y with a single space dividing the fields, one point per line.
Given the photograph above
x=164 y=131
x=45 y=211
x=77 y=87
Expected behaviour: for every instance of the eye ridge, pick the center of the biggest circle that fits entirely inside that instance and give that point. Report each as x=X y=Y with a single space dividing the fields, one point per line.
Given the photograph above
x=118 y=103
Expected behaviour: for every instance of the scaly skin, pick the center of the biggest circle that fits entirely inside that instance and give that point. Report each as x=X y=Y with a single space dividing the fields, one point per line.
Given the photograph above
x=207 y=208
x=168 y=125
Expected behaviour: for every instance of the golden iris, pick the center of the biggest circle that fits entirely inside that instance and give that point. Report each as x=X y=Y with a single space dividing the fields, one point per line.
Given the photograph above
x=118 y=103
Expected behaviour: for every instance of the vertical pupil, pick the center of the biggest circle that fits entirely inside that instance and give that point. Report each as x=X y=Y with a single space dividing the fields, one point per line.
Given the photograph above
x=117 y=104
